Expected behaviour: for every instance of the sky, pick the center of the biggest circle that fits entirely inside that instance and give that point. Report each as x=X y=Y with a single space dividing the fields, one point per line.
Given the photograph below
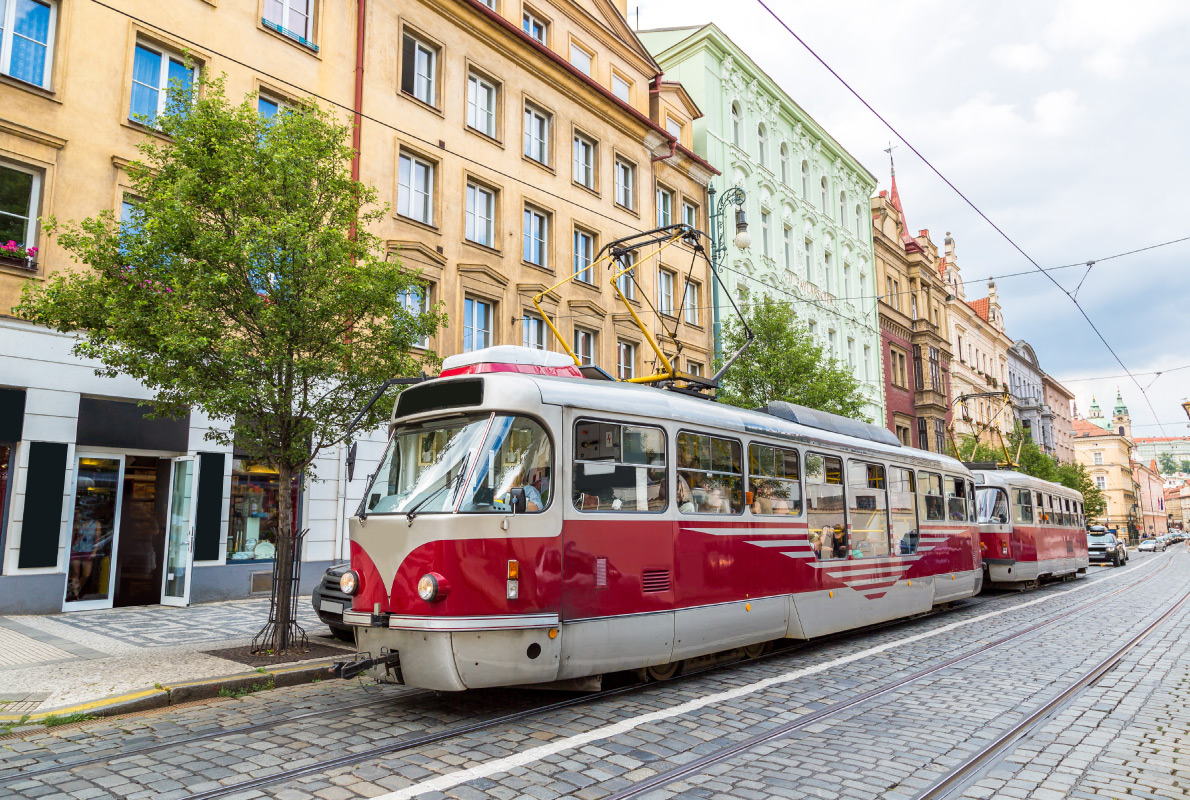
x=1064 y=122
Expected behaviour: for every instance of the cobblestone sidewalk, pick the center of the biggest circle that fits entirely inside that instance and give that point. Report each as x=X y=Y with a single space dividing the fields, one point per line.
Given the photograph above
x=48 y=661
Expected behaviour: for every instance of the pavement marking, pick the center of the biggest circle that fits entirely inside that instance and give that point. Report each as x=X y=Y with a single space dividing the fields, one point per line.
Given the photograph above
x=452 y=779
x=19 y=650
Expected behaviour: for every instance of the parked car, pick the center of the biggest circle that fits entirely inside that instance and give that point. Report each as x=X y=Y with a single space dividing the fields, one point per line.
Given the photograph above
x=329 y=601
x=1151 y=546
x=1103 y=545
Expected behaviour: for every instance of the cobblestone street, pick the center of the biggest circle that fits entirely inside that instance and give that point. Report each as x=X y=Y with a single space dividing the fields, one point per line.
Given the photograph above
x=1121 y=736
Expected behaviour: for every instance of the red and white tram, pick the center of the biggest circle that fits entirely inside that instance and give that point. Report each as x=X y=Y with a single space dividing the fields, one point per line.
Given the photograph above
x=527 y=525
x=1029 y=529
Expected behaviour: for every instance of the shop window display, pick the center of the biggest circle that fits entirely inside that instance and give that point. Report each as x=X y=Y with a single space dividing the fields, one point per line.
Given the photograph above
x=6 y=452
x=255 y=506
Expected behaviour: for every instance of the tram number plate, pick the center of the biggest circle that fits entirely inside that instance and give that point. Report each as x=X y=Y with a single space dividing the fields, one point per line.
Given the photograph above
x=331 y=607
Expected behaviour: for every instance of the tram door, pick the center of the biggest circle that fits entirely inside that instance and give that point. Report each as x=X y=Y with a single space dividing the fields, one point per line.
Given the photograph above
x=179 y=542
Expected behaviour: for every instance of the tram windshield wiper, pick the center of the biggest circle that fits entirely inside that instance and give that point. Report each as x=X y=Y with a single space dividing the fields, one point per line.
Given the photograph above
x=450 y=482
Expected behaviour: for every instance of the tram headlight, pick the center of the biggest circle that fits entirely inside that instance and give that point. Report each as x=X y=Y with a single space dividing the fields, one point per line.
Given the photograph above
x=432 y=587
x=349 y=582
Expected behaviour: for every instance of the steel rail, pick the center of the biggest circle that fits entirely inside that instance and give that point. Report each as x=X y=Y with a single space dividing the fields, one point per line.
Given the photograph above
x=972 y=769
x=41 y=767
x=698 y=765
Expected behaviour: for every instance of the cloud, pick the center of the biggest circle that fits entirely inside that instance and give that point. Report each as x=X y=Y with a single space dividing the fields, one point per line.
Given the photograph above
x=1021 y=57
x=1111 y=33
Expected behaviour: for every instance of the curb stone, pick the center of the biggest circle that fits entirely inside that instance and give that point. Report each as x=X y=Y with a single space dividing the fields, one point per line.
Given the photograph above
x=174 y=693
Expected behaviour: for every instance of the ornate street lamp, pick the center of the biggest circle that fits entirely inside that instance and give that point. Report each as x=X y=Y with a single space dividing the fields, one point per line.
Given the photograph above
x=1186 y=406
x=743 y=240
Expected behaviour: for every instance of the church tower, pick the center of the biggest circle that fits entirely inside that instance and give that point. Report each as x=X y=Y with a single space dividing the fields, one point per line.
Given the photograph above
x=1095 y=417
x=1121 y=421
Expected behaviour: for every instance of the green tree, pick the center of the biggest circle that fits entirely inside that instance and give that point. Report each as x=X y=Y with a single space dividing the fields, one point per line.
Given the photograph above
x=1026 y=456
x=1074 y=476
x=1166 y=463
x=784 y=363
x=246 y=284
x=1185 y=465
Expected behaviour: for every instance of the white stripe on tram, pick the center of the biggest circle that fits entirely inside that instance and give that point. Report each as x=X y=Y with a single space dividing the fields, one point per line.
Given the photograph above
x=535 y=754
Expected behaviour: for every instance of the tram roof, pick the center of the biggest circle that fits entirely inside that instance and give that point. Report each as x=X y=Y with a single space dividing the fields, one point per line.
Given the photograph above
x=1011 y=477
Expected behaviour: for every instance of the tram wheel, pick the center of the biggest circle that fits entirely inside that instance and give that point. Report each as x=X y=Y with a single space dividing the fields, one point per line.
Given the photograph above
x=756 y=650
x=663 y=672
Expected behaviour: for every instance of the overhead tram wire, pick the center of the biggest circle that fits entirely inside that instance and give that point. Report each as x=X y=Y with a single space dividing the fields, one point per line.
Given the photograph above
x=964 y=197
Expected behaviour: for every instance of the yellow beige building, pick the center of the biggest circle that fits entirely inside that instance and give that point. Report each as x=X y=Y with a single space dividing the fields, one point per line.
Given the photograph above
x=512 y=141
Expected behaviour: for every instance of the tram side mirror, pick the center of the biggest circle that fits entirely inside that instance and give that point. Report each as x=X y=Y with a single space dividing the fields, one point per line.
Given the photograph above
x=351 y=460
x=517 y=501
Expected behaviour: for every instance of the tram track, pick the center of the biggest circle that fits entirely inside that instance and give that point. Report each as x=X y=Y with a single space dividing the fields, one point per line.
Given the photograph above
x=700 y=765
x=457 y=730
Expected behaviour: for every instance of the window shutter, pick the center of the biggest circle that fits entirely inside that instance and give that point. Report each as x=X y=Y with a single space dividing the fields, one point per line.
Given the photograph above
x=42 y=527
x=408 y=63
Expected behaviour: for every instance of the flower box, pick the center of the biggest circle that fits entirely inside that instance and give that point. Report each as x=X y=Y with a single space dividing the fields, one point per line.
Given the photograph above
x=16 y=262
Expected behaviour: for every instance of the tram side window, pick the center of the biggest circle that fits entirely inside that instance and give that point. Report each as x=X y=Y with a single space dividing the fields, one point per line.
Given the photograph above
x=1069 y=514
x=902 y=502
x=970 y=501
x=710 y=475
x=773 y=480
x=516 y=455
x=824 y=506
x=931 y=487
x=1023 y=506
x=956 y=500
x=869 y=509
x=1041 y=515
x=993 y=506
x=1053 y=513
x=618 y=468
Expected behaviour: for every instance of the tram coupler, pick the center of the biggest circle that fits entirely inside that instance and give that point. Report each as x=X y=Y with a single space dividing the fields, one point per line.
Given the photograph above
x=391 y=662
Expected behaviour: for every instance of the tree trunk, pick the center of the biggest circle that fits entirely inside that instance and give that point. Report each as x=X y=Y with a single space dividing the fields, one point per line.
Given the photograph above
x=286 y=554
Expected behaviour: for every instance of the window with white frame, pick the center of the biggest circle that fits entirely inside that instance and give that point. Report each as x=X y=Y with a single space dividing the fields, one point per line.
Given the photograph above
x=665 y=292
x=20 y=191
x=665 y=207
x=831 y=338
x=825 y=205
x=851 y=353
x=537 y=236
x=762 y=144
x=626 y=282
x=584 y=253
x=584 y=161
x=842 y=208
x=689 y=214
x=690 y=303
x=806 y=180
x=813 y=326
x=268 y=107
x=1097 y=457
x=867 y=362
x=477 y=324
x=295 y=18
x=584 y=346
x=859 y=221
x=419 y=69
x=830 y=277
x=27 y=40
x=766 y=220
x=581 y=58
x=621 y=88
x=787 y=234
x=1100 y=483
x=416 y=302
x=533 y=332
x=537 y=134
x=674 y=128
x=809 y=258
x=625 y=360
x=736 y=124
x=154 y=70
x=535 y=26
x=415 y=189
x=481 y=214
x=481 y=104
x=694 y=368
x=625 y=183
x=489 y=3
x=784 y=163
x=845 y=289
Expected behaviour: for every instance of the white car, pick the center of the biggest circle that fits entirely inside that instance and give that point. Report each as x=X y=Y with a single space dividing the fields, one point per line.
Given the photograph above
x=1151 y=546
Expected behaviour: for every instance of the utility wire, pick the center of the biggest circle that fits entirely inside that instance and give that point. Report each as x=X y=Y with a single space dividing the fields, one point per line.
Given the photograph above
x=964 y=197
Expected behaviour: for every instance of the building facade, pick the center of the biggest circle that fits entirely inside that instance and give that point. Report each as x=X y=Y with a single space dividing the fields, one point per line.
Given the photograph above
x=1150 y=495
x=807 y=198
x=1107 y=455
x=1150 y=448
x=979 y=365
x=1177 y=507
x=1026 y=383
x=914 y=325
x=511 y=143
x=1060 y=402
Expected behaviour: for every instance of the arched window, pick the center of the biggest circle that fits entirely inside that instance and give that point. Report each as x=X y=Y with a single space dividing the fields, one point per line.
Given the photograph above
x=825 y=206
x=735 y=124
x=859 y=221
x=842 y=208
x=784 y=163
x=762 y=144
x=806 y=180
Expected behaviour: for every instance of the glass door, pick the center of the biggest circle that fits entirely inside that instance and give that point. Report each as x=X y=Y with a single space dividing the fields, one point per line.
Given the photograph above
x=94 y=531
x=179 y=540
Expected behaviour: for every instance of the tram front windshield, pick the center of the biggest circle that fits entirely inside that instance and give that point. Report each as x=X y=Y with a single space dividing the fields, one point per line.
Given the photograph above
x=992 y=505
x=468 y=463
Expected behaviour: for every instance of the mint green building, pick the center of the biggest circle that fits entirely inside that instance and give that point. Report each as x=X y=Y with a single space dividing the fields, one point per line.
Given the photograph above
x=807 y=198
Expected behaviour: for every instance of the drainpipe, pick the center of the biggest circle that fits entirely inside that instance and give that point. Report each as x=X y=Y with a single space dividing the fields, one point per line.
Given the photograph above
x=358 y=108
